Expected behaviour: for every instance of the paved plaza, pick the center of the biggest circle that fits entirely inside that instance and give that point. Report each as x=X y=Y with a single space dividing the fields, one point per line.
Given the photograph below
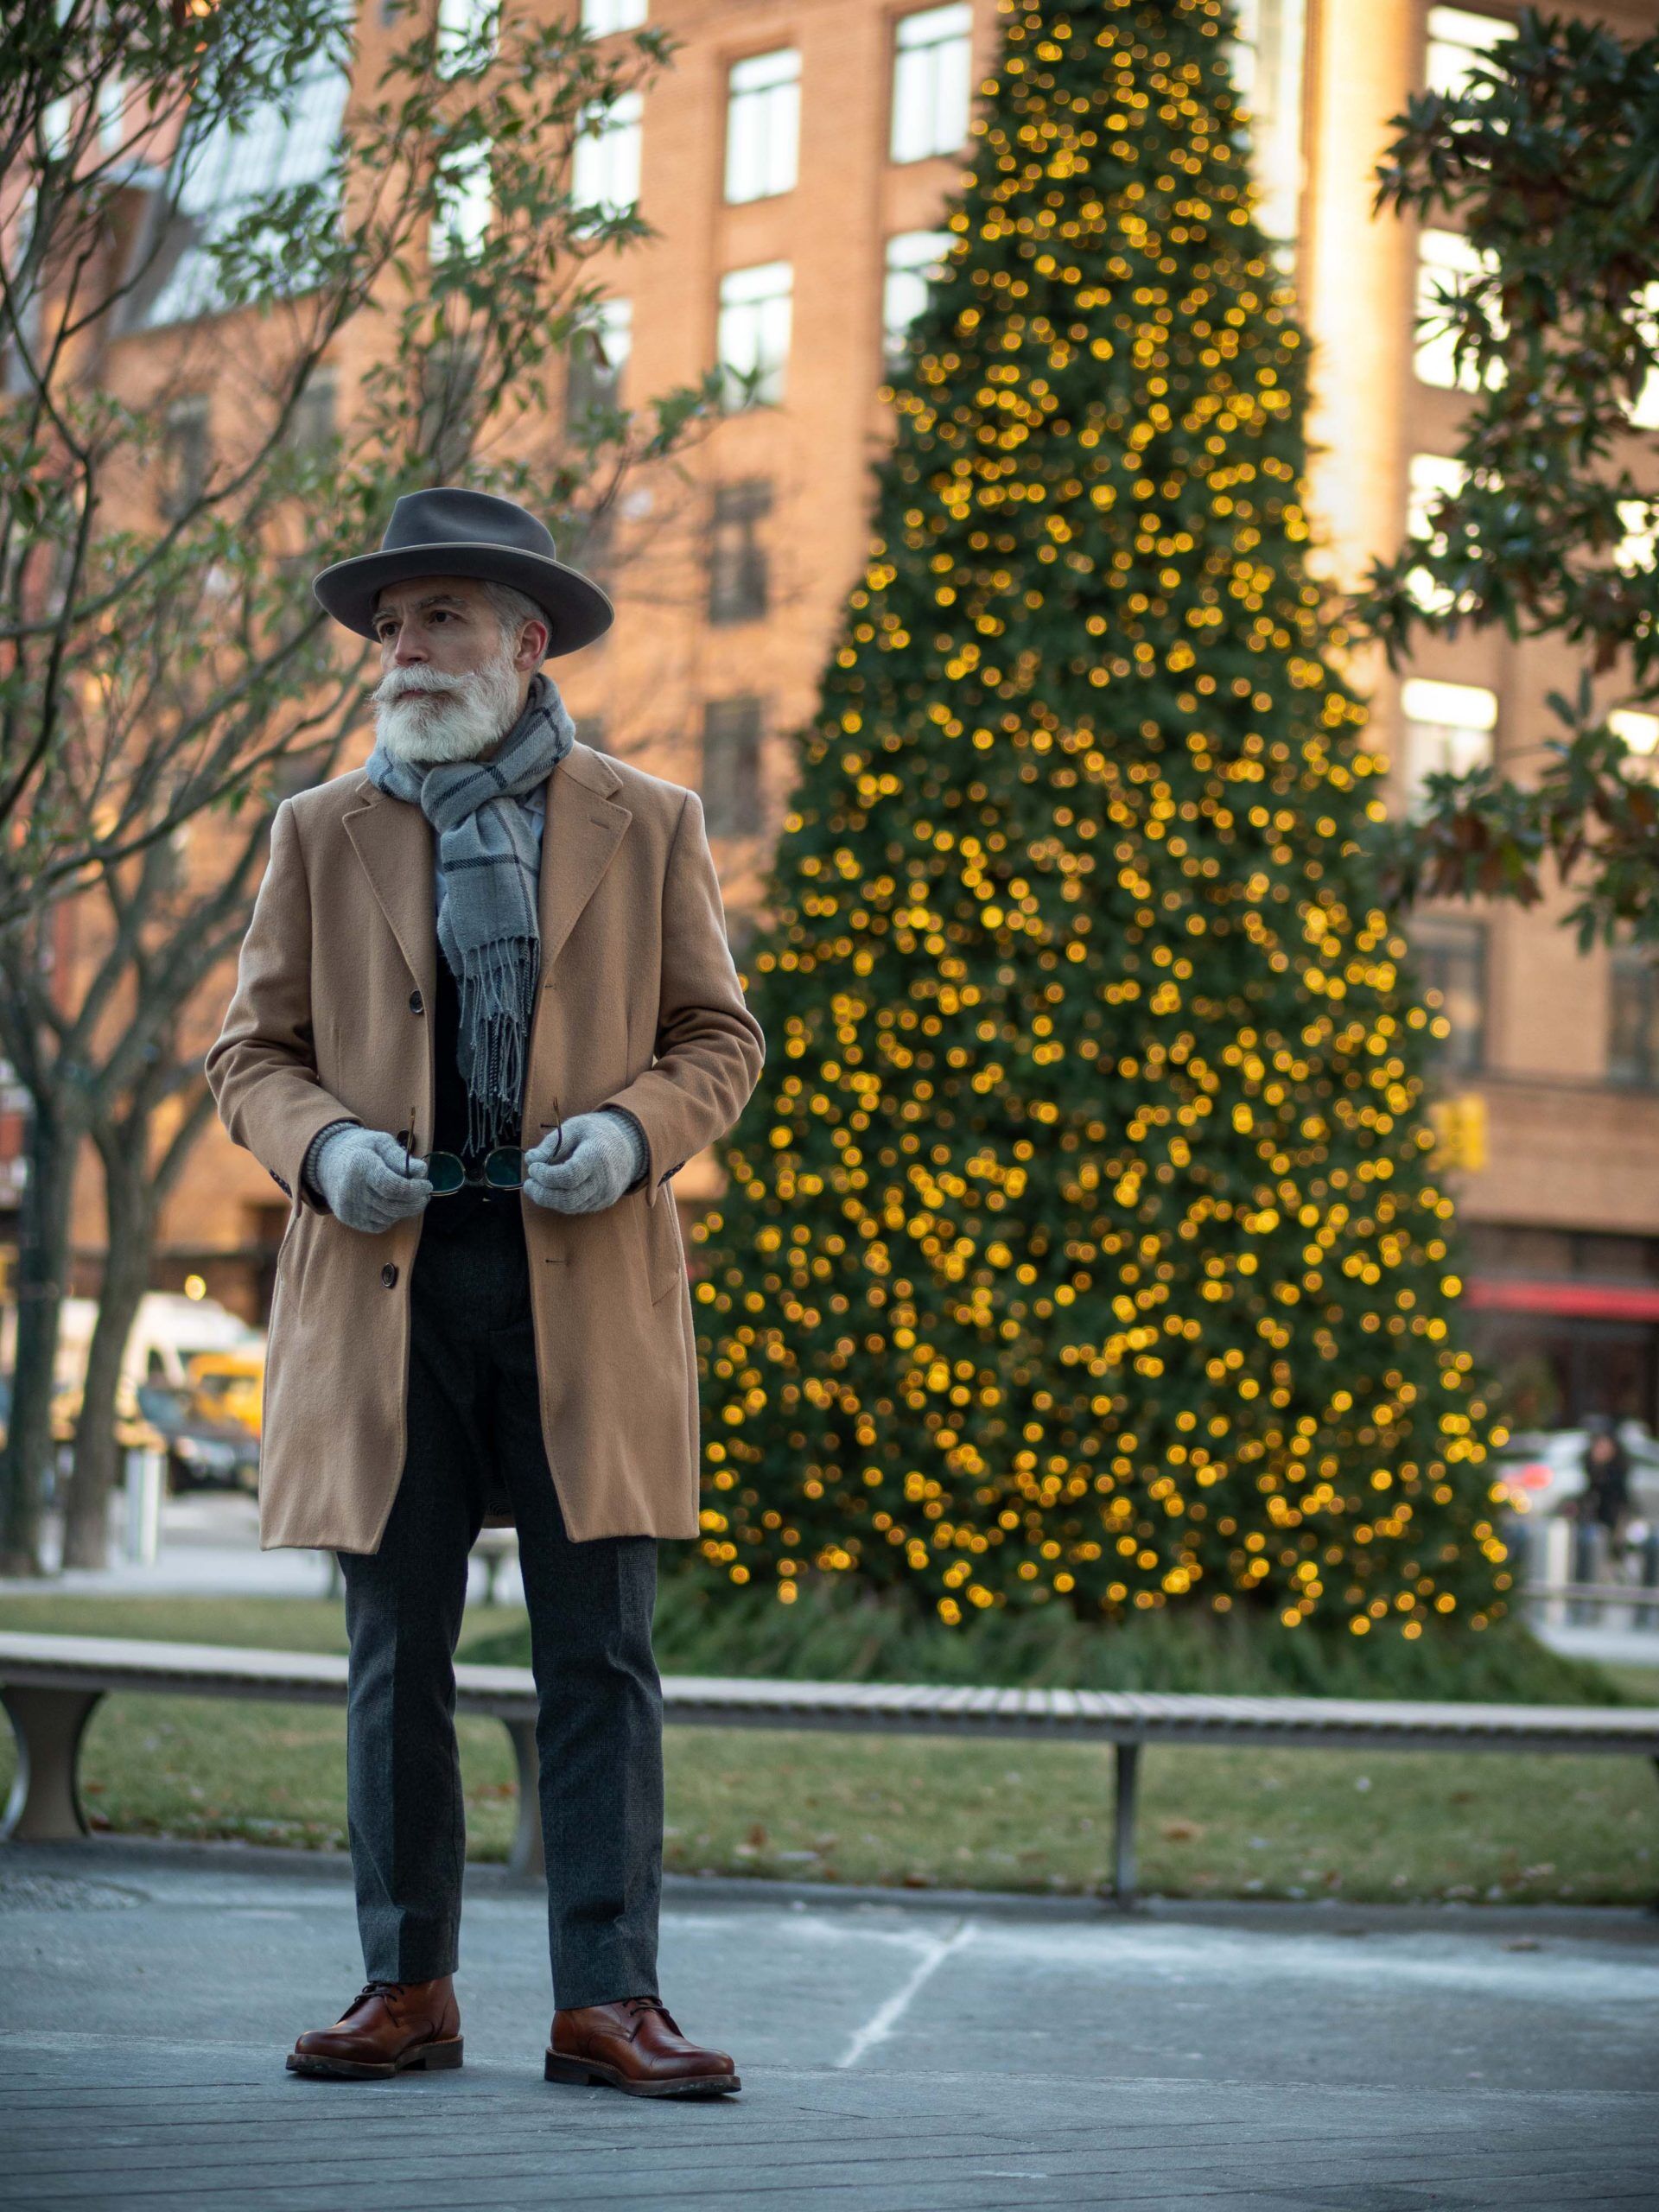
x=896 y=2055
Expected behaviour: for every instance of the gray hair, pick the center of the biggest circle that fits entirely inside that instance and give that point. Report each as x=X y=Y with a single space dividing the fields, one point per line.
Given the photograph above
x=513 y=608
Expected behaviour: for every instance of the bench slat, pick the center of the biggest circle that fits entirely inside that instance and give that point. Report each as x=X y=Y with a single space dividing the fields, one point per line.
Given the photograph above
x=103 y=1663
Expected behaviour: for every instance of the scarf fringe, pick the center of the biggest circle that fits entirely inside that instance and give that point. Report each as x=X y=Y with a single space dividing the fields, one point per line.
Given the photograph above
x=498 y=995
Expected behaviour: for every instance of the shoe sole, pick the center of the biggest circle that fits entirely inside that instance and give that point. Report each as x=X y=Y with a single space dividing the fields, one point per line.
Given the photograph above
x=582 y=2072
x=433 y=2057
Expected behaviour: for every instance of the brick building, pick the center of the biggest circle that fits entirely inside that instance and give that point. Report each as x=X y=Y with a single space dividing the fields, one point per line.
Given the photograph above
x=794 y=161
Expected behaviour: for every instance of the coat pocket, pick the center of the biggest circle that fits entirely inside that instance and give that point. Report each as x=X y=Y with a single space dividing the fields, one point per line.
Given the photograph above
x=667 y=1247
x=291 y=1260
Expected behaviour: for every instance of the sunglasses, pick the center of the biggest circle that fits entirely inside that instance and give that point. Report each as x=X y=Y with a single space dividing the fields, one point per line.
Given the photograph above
x=504 y=1167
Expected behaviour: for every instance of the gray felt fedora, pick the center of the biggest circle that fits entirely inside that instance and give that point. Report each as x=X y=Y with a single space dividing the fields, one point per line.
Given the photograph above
x=450 y=532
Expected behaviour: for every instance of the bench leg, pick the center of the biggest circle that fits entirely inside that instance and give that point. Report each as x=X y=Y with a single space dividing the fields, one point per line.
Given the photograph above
x=48 y=1726
x=1123 y=1809
x=527 y=1856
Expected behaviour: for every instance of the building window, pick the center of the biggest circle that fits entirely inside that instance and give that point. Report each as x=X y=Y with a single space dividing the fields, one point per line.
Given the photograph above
x=449 y=405
x=1633 y=556
x=225 y=173
x=731 y=767
x=740 y=930
x=591 y=544
x=1267 y=62
x=1431 y=478
x=184 y=452
x=599 y=353
x=465 y=198
x=1633 y=1018
x=58 y=132
x=467 y=30
x=1451 y=960
x=1644 y=410
x=737 y=552
x=1447 y=728
x=914 y=259
x=23 y=275
x=313 y=421
x=753 y=341
x=604 y=168
x=1446 y=263
x=1641 y=733
x=1460 y=39
x=111 y=110
x=931 y=82
x=600 y=17
x=763 y=115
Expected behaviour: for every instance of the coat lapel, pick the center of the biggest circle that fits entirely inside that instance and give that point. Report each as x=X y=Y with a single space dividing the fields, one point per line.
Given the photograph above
x=581 y=830
x=394 y=841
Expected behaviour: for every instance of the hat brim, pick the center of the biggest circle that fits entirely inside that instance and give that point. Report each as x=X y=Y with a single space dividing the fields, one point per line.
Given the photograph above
x=577 y=610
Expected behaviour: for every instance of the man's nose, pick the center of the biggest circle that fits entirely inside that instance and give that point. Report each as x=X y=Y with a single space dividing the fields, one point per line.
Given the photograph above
x=406 y=652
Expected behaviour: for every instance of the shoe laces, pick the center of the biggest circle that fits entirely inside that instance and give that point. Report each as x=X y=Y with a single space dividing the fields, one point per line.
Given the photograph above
x=386 y=1989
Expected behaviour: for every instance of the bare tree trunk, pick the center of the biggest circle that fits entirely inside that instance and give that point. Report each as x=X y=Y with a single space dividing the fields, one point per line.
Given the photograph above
x=42 y=1270
x=133 y=1196
x=126 y=1278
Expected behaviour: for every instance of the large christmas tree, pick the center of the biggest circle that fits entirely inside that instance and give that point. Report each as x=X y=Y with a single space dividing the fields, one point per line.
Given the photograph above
x=1080 y=1245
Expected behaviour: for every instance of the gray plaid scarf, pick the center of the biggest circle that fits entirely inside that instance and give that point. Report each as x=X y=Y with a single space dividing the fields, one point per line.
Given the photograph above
x=488 y=928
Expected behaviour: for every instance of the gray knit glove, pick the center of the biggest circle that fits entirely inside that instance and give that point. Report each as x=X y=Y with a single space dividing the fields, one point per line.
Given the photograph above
x=588 y=1164
x=360 y=1173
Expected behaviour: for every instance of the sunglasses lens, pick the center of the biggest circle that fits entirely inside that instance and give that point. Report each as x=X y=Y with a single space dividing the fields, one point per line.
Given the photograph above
x=446 y=1172
x=505 y=1168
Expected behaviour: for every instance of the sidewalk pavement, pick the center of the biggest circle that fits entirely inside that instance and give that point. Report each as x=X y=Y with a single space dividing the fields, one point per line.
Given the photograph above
x=1611 y=1646
x=210 y=1548
x=898 y=2055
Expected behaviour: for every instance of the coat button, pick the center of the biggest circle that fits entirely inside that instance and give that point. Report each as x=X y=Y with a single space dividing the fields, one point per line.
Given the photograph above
x=416 y=1004
x=389 y=1274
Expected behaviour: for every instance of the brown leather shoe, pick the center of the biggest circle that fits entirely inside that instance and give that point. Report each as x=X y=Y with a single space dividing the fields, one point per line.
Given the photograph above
x=388 y=2027
x=634 y=2044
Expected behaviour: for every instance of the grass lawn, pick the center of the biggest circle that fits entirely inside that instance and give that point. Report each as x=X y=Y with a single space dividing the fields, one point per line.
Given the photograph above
x=999 y=1816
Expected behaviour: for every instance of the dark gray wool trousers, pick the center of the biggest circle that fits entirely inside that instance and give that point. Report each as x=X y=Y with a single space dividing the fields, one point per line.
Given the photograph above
x=475 y=1415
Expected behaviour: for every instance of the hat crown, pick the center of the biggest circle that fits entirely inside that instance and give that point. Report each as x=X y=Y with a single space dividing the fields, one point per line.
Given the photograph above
x=449 y=515
x=447 y=530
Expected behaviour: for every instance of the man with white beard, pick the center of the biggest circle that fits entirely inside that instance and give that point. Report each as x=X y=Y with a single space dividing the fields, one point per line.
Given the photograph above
x=544 y=1322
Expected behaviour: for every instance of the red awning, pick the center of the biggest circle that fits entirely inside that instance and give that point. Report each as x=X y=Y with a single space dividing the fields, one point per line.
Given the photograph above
x=1588 y=1301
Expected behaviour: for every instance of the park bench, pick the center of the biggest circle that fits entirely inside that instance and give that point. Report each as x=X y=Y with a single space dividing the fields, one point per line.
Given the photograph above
x=51 y=1684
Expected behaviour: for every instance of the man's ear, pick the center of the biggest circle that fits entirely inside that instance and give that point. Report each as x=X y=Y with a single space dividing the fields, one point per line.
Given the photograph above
x=533 y=642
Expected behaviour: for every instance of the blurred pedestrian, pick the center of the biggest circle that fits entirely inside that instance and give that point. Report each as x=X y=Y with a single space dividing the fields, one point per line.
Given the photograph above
x=1607 y=1479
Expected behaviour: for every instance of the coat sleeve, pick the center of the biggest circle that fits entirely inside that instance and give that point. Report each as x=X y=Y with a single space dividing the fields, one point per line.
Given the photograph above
x=710 y=1047
x=262 y=1067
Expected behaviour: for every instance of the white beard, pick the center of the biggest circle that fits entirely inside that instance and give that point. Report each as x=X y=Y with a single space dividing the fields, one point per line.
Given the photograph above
x=445 y=717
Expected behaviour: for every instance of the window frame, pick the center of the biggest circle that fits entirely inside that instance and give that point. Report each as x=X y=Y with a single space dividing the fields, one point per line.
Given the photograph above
x=905 y=72
x=895 y=336
x=736 y=811
x=1637 y=963
x=733 y=312
x=1464 y=757
x=612 y=153
x=1436 y=940
x=781 y=97
x=736 y=510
